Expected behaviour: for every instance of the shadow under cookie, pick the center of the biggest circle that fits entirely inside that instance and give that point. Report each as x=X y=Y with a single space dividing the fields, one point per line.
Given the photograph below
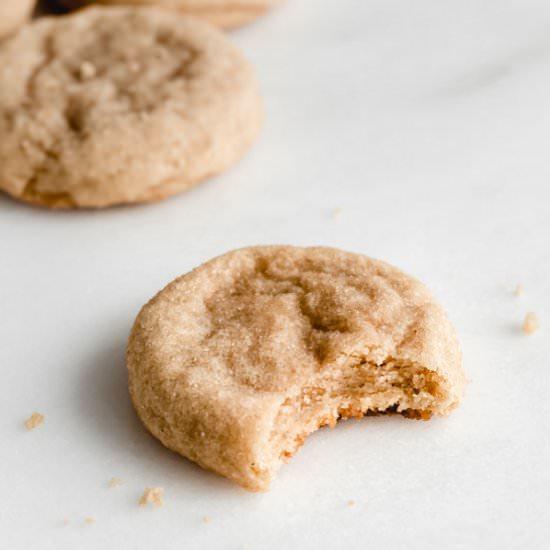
x=106 y=414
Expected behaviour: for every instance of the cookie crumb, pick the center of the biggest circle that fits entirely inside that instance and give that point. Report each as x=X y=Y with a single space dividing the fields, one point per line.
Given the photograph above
x=153 y=495
x=87 y=70
x=115 y=482
x=35 y=420
x=518 y=291
x=531 y=323
x=350 y=503
x=206 y=519
x=89 y=521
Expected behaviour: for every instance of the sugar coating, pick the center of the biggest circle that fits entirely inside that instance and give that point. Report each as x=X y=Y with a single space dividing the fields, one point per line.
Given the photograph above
x=224 y=13
x=235 y=363
x=13 y=13
x=120 y=105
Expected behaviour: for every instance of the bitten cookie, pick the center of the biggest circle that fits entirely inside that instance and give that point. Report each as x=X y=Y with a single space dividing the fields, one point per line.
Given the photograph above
x=13 y=13
x=120 y=105
x=223 y=13
x=235 y=363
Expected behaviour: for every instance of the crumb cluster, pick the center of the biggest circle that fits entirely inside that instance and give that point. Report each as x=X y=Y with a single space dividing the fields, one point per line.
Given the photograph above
x=152 y=495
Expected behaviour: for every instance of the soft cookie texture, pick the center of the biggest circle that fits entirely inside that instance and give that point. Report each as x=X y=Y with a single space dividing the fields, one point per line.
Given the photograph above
x=223 y=13
x=235 y=363
x=120 y=105
x=13 y=13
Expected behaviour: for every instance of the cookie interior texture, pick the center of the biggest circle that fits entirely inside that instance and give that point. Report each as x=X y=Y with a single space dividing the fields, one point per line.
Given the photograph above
x=223 y=13
x=235 y=363
x=115 y=105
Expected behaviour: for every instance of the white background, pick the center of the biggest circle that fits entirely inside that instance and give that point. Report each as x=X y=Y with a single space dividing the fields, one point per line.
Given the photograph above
x=428 y=124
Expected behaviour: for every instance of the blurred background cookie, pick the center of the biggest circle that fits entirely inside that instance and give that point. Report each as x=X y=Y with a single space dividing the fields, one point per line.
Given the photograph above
x=13 y=13
x=223 y=13
x=115 y=105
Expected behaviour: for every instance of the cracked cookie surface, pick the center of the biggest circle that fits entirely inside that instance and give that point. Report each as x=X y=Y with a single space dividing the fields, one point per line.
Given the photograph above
x=120 y=105
x=235 y=363
x=223 y=13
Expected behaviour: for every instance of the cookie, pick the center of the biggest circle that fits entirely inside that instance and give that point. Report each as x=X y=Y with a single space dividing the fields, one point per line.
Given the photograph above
x=13 y=13
x=223 y=13
x=233 y=364
x=121 y=105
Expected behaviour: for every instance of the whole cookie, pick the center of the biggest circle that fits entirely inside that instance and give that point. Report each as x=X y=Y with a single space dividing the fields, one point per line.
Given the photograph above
x=120 y=105
x=224 y=13
x=235 y=363
x=13 y=13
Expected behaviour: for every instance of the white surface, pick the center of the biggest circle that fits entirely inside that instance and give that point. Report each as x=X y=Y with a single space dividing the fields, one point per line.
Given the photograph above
x=428 y=124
